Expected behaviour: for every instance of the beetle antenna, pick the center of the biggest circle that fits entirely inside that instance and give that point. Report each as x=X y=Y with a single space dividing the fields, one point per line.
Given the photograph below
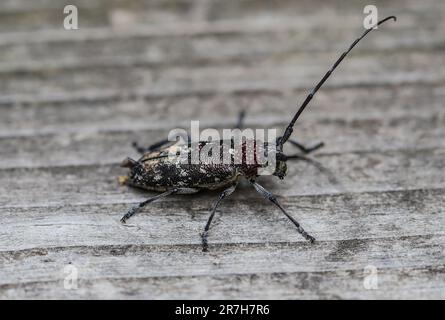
x=289 y=128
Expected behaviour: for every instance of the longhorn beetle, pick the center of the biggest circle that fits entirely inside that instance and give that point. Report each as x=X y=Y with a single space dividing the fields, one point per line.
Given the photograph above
x=157 y=172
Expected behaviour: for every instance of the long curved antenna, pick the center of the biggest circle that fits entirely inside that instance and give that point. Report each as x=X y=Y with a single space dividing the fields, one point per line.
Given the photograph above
x=289 y=128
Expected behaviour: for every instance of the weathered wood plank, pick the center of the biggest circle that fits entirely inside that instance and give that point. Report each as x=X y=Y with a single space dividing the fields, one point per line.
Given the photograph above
x=227 y=46
x=244 y=218
x=284 y=74
x=382 y=104
x=422 y=283
x=233 y=10
x=23 y=15
x=281 y=270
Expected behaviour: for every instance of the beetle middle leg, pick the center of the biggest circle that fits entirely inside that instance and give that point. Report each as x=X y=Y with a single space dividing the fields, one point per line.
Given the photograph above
x=269 y=196
x=204 y=235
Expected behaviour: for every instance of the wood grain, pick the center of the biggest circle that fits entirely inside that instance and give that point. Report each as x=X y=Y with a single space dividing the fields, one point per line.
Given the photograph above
x=71 y=103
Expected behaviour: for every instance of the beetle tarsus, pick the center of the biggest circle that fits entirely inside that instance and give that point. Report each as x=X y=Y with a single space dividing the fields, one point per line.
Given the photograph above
x=129 y=213
x=305 y=235
x=204 y=242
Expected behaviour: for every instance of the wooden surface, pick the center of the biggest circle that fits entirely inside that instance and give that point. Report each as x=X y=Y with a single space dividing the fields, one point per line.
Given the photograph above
x=71 y=102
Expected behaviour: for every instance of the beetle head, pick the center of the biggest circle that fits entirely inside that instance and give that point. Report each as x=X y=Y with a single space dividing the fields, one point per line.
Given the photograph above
x=135 y=175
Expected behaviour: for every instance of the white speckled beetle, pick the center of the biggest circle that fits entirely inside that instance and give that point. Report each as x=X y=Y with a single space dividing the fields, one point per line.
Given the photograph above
x=155 y=171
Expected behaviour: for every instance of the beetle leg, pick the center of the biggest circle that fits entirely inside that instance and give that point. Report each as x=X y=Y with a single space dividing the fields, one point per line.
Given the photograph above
x=154 y=146
x=269 y=196
x=134 y=209
x=204 y=235
x=240 y=122
x=330 y=175
x=303 y=148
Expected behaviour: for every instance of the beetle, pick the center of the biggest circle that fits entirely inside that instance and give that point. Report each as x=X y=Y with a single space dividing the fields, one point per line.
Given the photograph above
x=156 y=171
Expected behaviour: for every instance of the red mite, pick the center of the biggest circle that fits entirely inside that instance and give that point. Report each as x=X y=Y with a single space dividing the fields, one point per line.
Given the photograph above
x=157 y=171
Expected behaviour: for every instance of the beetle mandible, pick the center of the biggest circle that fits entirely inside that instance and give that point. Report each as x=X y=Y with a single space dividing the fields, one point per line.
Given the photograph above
x=156 y=171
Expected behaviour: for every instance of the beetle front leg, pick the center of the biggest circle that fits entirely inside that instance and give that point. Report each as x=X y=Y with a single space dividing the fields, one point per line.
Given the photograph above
x=269 y=196
x=204 y=235
x=134 y=209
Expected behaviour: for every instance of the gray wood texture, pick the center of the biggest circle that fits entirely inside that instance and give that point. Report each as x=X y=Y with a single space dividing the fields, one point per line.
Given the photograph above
x=71 y=103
